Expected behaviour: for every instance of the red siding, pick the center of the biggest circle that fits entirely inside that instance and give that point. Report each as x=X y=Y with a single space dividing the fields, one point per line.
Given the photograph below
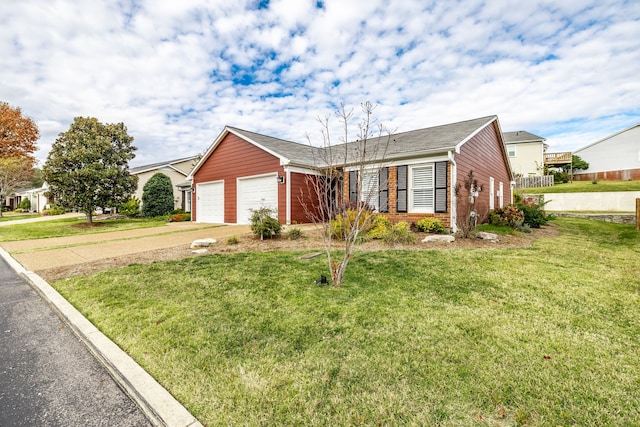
x=301 y=192
x=484 y=155
x=232 y=158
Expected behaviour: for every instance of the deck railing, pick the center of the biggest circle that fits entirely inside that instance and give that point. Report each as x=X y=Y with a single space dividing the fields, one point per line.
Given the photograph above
x=534 y=181
x=561 y=158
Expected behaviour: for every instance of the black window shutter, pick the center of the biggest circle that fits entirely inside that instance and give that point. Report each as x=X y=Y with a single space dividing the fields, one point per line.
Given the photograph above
x=383 y=187
x=441 y=187
x=401 y=196
x=353 y=187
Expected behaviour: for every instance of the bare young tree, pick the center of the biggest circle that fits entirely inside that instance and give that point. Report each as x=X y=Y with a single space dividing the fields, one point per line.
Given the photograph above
x=329 y=197
x=467 y=195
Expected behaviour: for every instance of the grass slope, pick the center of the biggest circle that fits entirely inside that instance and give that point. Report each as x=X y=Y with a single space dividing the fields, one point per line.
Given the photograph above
x=548 y=335
x=585 y=187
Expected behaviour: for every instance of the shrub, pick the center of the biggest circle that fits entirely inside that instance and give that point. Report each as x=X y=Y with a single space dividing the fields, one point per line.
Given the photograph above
x=25 y=204
x=509 y=215
x=157 y=196
x=534 y=215
x=264 y=224
x=340 y=226
x=399 y=233
x=180 y=217
x=131 y=207
x=233 y=240
x=53 y=210
x=295 y=233
x=430 y=225
x=381 y=226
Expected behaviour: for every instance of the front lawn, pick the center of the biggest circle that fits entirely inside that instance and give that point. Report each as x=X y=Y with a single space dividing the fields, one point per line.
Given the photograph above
x=12 y=216
x=71 y=227
x=547 y=335
x=584 y=187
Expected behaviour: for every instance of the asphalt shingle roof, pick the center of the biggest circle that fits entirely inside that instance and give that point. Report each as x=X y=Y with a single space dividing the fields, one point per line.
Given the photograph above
x=520 y=136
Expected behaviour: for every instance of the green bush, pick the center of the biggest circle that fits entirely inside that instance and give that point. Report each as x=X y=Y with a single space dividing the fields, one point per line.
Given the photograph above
x=340 y=226
x=157 y=196
x=53 y=210
x=131 y=207
x=25 y=204
x=233 y=240
x=399 y=233
x=381 y=226
x=295 y=233
x=510 y=216
x=430 y=225
x=534 y=215
x=264 y=224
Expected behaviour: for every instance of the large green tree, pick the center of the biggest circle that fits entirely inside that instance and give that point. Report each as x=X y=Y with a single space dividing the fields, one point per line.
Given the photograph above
x=157 y=196
x=88 y=166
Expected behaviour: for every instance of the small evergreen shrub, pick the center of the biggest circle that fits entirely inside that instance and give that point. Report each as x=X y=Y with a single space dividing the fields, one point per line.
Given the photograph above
x=264 y=224
x=157 y=196
x=430 y=225
x=131 y=207
x=25 y=204
x=399 y=233
x=381 y=226
x=295 y=233
x=233 y=240
x=534 y=215
x=53 y=210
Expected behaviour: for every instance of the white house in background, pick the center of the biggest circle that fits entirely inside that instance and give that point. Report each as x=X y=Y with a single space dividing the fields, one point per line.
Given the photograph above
x=36 y=196
x=177 y=170
x=616 y=157
x=526 y=152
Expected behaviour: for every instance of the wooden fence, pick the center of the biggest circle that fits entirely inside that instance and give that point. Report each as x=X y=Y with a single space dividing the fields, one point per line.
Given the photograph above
x=534 y=181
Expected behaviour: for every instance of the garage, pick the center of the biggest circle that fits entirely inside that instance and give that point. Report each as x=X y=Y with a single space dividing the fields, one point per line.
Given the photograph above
x=255 y=193
x=210 y=202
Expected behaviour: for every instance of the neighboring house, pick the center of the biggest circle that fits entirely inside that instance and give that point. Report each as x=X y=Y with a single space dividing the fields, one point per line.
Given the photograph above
x=36 y=196
x=177 y=170
x=526 y=153
x=244 y=170
x=616 y=157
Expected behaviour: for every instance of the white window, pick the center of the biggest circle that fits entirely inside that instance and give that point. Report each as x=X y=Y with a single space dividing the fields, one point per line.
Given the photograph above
x=501 y=195
x=369 y=193
x=492 y=193
x=421 y=189
x=511 y=150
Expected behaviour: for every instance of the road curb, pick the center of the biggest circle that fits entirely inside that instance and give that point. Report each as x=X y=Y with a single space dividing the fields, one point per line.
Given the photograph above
x=159 y=406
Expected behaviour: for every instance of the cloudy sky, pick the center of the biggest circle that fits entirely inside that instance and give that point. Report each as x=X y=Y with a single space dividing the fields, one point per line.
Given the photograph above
x=176 y=72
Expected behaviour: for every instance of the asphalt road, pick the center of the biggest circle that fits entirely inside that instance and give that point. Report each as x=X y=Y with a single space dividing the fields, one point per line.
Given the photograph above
x=47 y=376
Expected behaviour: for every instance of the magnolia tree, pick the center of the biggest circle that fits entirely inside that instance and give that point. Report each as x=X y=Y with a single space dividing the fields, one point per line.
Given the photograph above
x=88 y=166
x=360 y=160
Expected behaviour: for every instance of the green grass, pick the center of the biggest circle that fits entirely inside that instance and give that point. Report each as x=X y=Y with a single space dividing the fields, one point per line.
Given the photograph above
x=69 y=227
x=585 y=187
x=10 y=216
x=547 y=335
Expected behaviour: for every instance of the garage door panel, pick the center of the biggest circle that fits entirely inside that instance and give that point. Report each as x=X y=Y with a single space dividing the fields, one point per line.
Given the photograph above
x=255 y=193
x=210 y=202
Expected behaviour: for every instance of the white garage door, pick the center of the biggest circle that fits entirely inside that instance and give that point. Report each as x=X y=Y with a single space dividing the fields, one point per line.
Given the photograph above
x=210 y=202
x=255 y=193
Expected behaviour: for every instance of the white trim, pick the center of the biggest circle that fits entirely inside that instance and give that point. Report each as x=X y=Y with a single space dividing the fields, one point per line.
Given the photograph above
x=406 y=162
x=492 y=193
x=501 y=195
x=288 y=196
x=304 y=171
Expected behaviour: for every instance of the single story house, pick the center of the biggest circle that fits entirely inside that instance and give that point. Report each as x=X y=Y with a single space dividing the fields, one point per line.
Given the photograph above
x=616 y=157
x=177 y=170
x=244 y=170
x=526 y=153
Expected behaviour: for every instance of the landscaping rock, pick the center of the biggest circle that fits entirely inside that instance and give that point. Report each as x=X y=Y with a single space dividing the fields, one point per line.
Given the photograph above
x=199 y=251
x=202 y=243
x=439 y=238
x=487 y=236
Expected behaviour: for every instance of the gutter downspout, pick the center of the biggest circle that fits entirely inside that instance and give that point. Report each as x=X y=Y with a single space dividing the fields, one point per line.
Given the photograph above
x=454 y=179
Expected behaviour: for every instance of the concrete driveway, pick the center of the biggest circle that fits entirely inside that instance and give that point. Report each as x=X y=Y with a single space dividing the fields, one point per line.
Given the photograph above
x=41 y=254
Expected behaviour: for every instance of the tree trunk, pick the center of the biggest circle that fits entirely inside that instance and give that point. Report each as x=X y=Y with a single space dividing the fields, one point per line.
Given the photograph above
x=89 y=217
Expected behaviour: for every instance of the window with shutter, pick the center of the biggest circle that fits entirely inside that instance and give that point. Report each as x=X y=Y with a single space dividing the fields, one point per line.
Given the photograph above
x=441 y=187
x=370 y=189
x=401 y=189
x=421 y=190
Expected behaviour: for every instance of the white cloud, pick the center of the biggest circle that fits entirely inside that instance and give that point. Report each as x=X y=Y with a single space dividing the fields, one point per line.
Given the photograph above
x=176 y=72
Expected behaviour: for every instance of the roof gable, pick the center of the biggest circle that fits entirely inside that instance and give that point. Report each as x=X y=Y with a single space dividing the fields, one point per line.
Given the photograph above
x=521 y=136
x=161 y=165
x=607 y=138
